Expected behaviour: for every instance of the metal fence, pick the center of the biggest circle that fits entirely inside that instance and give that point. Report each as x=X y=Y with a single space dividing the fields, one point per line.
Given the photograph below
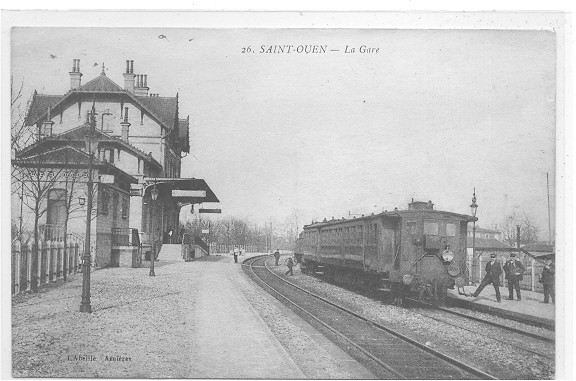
x=54 y=260
x=125 y=237
x=227 y=248
x=529 y=280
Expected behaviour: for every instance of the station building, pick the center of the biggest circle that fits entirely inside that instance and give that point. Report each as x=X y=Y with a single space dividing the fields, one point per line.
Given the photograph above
x=138 y=140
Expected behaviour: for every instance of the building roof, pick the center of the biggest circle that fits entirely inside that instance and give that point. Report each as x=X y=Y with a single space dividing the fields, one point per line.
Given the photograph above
x=39 y=106
x=488 y=244
x=71 y=158
x=79 y=134
x=163 y=109
x=101 y=84
x=539 y=248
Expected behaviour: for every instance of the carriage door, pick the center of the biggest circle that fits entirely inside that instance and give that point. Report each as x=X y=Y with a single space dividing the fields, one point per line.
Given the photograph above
x=410 y=248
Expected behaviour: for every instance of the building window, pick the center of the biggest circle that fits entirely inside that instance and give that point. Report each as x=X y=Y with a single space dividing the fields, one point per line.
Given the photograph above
x=115 y=205
x=125 y=207
x=104 y=200
x=111 y=156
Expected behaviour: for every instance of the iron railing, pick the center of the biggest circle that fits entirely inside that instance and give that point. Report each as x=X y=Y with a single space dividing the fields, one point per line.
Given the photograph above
x=125 y=237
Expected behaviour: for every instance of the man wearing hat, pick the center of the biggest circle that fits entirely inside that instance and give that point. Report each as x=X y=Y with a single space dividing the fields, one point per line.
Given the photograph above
x=514 y=270
x=493 y=271
x=547 y=280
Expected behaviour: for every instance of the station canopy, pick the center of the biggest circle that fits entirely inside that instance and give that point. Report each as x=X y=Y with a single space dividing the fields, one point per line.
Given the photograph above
x=184 y=190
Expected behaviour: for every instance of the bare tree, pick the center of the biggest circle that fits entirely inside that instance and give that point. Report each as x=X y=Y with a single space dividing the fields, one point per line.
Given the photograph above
x=528 y=230
x=36 y=182
x=21 y=135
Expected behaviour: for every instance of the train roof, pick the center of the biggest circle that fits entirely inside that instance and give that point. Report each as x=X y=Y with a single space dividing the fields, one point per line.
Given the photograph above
x=396 y=214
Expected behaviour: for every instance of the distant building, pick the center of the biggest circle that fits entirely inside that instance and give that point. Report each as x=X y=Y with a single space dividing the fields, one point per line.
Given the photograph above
x=139 y=136
x=486 y=242
x=484 y=233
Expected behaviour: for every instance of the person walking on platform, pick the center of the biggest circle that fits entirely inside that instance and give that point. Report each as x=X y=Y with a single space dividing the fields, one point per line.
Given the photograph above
x=235 y=255
x=493 y=272
x=514 y=270
x=290 y=264
x=547 y=280
x=277 y=256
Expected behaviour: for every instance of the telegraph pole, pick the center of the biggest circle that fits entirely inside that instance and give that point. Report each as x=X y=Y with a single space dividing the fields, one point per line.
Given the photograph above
x=549 y=221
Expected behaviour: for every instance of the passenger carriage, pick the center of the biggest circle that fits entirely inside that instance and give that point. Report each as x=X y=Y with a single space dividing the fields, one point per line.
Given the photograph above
x=419 y=249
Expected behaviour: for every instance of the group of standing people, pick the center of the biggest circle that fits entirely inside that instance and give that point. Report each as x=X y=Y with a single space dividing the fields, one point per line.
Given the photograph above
x=514 y=270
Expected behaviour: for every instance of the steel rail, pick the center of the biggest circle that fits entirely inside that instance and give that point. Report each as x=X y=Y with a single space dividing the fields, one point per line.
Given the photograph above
x=488 y=322
x=529 y=334
x=452 y=361
x=331 y=329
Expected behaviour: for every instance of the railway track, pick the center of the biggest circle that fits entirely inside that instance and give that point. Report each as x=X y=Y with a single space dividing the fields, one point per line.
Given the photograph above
x=515 y=337
x=471 y=306
x=396 y=355
x=509 y=335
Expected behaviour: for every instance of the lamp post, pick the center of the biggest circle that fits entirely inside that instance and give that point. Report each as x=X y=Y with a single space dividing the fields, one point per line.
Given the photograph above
x=474 y=209
x=86 y=260
x=154 y=194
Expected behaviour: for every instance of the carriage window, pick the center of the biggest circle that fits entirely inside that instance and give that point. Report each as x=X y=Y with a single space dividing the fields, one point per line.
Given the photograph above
x=430 y=228
x=451 y=230
x=411 y=227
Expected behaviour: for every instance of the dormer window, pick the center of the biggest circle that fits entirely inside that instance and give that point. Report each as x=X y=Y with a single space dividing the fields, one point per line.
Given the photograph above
x=106 y=115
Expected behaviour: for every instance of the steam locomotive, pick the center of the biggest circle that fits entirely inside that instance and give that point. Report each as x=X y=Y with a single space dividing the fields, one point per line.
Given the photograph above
x=419 y=250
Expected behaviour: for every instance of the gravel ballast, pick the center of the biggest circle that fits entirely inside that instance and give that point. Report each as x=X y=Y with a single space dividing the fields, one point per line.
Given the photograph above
x=475 y=348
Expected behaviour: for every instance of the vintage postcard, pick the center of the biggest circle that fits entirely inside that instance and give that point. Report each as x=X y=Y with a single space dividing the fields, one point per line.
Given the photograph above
x=293 y=195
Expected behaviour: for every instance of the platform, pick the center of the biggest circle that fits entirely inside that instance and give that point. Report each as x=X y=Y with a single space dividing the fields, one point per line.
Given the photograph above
x=230 y=338
x=201 y=319
x=531 y=307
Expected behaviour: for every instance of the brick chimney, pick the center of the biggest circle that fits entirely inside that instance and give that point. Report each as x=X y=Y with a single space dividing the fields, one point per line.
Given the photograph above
x=48 y=123
x=141 y=88
x=75 y=75
x=129 y=76
x=125 y=126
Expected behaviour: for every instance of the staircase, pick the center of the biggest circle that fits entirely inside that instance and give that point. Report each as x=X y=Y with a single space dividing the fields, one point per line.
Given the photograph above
x=171 y=253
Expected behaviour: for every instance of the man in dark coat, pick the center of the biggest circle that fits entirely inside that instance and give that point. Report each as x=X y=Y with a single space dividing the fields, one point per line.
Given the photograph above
x=547 y=280
x=290 y=264
x=514 y=270
x=277 y=256
x=493 y=271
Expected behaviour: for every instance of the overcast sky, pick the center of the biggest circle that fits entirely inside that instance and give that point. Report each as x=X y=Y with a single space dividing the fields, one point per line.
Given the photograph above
x=430 y=116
